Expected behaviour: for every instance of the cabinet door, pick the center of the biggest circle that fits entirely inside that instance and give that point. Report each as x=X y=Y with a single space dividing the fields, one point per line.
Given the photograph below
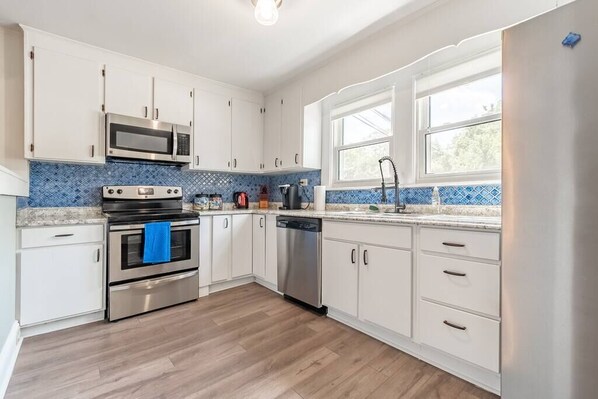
x=242 y=245
x=259 y=246
x=291 y=137
x=385 y=288
x=173 y=102
x=247 y=136
x=212 y=132
x=221 y=248
x=271 y=251
x=272 y=131
x=339 y=276
x=205 y=251
x=128 y=93
x=58 y=282
x=67 y=108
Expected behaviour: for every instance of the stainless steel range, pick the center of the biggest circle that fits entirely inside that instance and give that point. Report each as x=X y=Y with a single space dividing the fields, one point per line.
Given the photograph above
x=136 y=287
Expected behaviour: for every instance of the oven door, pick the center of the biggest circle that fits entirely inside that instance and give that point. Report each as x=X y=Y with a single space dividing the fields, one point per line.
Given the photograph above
x=128 y=137
x=125 y=251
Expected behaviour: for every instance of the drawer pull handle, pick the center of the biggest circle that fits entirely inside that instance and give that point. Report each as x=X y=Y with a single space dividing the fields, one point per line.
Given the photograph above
x=454 y=273
x=458 y=327
x=452 y=244
x=63 y=235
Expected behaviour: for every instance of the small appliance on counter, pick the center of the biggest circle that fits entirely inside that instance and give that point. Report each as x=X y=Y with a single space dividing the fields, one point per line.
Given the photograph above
x=215 y=202
x=290 y=196
x=241 y=200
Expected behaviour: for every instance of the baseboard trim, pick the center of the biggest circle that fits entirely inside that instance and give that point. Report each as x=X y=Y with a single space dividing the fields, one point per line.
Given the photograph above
x=62 y=324
x=268 y=285
x=225 y=285
x=478 y=376
x=8 y=356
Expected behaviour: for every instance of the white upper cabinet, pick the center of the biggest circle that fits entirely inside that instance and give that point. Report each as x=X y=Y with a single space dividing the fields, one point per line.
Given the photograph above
x=292 y=139
x=128 y=93
x=212 y=132
x=272 y=127
x=67 y=101
x=247 y=135
x=173 y=102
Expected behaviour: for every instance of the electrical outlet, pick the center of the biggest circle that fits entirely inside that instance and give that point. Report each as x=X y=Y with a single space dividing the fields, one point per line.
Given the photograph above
x=303 y=182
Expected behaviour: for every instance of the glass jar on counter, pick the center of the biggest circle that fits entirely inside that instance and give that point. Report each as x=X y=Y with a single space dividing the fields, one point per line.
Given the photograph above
x=216 y=202
x=201 y=202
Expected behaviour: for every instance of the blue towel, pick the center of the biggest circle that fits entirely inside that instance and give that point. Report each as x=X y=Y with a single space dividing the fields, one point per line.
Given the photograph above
x=156 y=248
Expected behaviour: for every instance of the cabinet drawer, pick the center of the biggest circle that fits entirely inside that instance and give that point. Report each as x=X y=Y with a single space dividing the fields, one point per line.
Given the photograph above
x=470 y=285
x=465 y=243
x=61 y=235
x=376 y=234
x=461 y=334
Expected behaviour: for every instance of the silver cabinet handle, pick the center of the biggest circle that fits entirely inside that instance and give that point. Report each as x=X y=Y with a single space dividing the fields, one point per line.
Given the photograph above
x=454 y=273
x=64 y=235
x=145 y=112
x=98 y=255
x=197 y=160
x=456 y=326
x=157 y=113
x=296 y=159
x=452 y=244
x=93 y=151
x=353 y=256
x=226 y=223
x=365 y=257
x=276 y=163
x=261 y=222
x=228 y=163
x=235 y=163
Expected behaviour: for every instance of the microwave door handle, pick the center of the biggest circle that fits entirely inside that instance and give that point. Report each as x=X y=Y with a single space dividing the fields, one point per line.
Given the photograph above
x=174 y=142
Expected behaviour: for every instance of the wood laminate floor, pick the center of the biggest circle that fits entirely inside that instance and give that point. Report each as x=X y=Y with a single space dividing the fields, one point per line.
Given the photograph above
x=246 y=342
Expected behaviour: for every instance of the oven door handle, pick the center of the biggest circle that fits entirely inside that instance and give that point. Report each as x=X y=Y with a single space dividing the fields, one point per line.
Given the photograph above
x=119 y=227
x=149 y=284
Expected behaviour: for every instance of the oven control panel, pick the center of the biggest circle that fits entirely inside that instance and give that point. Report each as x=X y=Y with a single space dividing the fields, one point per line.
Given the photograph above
x=141 y=192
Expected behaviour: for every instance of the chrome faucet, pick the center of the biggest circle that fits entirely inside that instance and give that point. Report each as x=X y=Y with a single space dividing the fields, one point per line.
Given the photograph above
x=398 y=207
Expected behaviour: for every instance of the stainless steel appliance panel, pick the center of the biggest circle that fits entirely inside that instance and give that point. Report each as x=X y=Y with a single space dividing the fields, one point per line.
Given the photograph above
x=300 y=259
x=143 y=296
x=125 y=257
x=550 y=217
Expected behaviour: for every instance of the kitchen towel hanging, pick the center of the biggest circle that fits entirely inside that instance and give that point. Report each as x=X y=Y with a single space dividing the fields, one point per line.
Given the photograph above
x=156 y=247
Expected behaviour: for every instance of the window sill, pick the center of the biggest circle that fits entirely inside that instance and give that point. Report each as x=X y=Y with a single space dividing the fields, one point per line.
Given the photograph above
x=390 y=185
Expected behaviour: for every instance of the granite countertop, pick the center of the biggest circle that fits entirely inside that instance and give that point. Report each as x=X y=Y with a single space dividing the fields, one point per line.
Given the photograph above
x=36 y=217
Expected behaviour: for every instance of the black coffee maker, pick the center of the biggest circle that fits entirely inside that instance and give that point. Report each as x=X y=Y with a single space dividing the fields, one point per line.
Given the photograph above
x=290 y=196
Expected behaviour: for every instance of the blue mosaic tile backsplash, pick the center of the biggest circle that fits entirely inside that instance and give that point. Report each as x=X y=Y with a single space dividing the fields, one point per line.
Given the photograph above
x=61 y=185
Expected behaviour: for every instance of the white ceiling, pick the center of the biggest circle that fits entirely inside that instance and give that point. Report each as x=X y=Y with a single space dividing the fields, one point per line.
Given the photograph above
x=218 y=39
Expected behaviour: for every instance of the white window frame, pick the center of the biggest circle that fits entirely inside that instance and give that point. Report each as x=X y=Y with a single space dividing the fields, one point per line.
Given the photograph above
x=349 y=108
x=422 y=129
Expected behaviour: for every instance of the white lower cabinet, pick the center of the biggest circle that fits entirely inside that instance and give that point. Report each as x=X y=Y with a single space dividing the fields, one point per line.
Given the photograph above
x=368 y=282
x=271 y=251
x=340 y=276
x=205 y=251
x=385 y=288
x=60 y=281
x=259 y=246
x=222 y=239
x=242 y=246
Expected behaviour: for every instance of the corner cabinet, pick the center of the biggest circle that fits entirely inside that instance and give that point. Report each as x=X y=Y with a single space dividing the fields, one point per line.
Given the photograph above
x=367 y=273
x=66 y=115
x=292 y=132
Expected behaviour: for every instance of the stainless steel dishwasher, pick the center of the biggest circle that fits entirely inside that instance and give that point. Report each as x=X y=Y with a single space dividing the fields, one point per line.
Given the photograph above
x=299 y=242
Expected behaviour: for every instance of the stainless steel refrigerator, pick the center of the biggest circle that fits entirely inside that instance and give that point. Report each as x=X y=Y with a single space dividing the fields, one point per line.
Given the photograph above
x=550 y=206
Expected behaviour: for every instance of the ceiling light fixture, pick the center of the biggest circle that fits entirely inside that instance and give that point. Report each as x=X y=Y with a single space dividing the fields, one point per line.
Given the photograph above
x=266 y=11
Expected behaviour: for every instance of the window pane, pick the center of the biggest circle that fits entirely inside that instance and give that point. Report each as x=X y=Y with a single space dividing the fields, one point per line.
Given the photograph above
x=473 y=100
x=362 y=163
x=471 y=149
x=373 y=123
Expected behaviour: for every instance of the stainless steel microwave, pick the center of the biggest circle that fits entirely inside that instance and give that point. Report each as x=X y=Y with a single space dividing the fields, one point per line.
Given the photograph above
x=137 y=138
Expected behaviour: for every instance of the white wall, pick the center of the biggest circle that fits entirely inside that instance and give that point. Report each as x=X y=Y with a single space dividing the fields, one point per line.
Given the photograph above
x=408 y=41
